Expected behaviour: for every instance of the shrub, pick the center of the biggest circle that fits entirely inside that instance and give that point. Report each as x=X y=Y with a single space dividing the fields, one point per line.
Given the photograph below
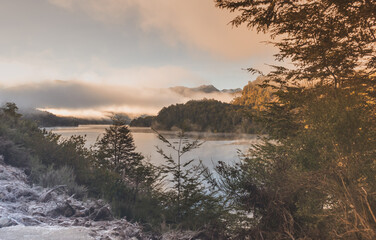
x=14 y=155
x=50 y=177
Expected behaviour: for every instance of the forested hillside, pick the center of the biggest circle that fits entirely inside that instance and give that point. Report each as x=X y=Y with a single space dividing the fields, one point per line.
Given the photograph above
x=143 y=121
x=212 y=115
x=47 y=119
x=254 y=96
x=204 y=115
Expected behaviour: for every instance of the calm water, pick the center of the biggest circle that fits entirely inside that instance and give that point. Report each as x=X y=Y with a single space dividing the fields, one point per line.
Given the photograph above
x=216 y=147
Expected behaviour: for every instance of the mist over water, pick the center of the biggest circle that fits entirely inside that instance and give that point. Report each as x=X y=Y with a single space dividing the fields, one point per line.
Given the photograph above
x=216 y=146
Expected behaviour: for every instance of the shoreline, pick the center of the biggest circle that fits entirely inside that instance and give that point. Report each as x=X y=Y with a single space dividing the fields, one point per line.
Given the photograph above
x=210 y=136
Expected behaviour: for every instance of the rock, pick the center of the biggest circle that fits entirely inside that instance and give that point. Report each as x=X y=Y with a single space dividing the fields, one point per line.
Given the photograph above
x=27 y=193
x=65 y=210
x=28 y=221
x=6 y=222
x=44 y=209
x=103 y=214
x=91 y=210
x=79 y=214
x=38 y=214
x=47 y=196
x=76 y=222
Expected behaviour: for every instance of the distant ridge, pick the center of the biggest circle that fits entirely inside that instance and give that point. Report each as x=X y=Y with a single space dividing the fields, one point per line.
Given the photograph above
x=47 y=119
x=186 y=91
x=206 y=89
x=235 y=90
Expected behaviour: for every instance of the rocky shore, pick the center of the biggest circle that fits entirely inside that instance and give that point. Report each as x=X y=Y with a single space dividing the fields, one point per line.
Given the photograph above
x=32 y=212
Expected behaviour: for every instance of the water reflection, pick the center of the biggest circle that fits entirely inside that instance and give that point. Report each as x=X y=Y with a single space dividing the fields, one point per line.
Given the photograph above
x=216 y=146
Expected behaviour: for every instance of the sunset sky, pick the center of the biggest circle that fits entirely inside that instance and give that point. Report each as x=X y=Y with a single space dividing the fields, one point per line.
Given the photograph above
x=75 y=57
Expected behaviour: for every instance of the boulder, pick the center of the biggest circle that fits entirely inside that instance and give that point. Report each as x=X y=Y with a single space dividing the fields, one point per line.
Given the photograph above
x=103 y=214
x=29 y=221
x=65 y=210
x=6 y=222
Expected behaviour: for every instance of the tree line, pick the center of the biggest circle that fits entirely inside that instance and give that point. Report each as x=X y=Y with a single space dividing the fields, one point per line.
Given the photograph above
x=207 y=115
x=47 y=119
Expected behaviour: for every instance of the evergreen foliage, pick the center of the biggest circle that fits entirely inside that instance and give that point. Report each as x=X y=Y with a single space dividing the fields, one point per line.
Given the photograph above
x=206 y=115
x=115 y=150
x=188 y=202
x=50 y=159
x=47 y=119
x=142 y=121
x=114 y=171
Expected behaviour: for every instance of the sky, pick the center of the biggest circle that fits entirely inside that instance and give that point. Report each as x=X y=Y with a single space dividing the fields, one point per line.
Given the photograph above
x=89 y=57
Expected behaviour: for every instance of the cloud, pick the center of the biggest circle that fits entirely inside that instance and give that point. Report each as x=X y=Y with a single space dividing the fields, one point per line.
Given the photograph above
x=141 y=76
x=95 y=100
x=109 y=11
x=16 y=71
x=195 y=23
x=41 y=68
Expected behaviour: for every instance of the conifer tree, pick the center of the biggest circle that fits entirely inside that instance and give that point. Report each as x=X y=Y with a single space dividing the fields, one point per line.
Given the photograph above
x=115 y=151
x=188 y=202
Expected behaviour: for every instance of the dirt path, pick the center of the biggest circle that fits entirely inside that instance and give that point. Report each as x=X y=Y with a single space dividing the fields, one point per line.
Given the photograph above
x=44 y=233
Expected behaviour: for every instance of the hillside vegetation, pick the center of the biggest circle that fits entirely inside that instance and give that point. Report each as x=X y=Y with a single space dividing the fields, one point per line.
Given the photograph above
x=254 y=95
x=208 y=115
x=203 y=115
x=47 y=119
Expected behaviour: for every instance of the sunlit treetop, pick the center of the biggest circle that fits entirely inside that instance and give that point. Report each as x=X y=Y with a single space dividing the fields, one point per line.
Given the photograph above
x=330 y=41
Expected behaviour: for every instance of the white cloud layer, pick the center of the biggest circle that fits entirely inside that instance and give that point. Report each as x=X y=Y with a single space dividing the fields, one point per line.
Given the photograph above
x=23 y=70
x=79 y=99
x=194 y=23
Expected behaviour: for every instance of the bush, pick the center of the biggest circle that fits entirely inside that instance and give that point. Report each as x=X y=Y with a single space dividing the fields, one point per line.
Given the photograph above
x=50 y=177
x=14 y=155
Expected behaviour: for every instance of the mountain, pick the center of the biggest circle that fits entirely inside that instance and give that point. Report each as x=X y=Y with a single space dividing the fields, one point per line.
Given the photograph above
x=235 y=90
x=205 y=89
x=187 y=92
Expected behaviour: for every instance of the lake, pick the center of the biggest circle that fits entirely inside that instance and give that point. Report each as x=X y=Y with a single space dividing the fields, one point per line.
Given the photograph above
x=216 y=146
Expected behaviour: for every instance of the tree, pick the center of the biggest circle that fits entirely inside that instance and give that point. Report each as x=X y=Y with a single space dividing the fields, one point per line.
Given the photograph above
x=10 y=110
x=329 y=41
x=115 y=151
x=255 y=96
x=188 y=203
x=180 y=177
x=313 y=176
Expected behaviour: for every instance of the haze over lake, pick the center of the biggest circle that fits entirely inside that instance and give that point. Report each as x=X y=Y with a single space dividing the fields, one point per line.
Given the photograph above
x=216 y=147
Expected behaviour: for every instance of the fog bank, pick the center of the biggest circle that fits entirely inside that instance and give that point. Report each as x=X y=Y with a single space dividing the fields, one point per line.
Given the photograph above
x=81 y=99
